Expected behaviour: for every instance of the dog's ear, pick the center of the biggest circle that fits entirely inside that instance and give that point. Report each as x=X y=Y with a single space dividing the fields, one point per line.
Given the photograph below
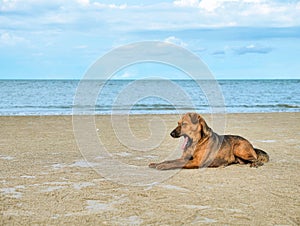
x=194 y=118
x=205 y=130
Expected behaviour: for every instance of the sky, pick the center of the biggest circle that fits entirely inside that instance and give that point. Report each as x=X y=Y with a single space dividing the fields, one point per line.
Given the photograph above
x=236 y=39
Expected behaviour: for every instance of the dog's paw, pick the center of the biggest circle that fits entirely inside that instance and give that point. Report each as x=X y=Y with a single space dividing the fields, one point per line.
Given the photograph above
x=163 y=166
x=256 y=164
x=153 y=165
x=159 y=166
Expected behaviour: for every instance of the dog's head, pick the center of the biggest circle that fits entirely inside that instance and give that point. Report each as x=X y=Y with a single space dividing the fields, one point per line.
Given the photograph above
x=193 y=128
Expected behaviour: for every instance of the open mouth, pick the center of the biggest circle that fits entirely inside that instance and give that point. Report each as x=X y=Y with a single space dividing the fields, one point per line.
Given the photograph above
x=186 y=143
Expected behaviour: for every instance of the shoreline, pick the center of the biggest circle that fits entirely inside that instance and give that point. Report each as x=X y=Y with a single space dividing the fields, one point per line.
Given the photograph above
x=44 y=178
x=149 y=114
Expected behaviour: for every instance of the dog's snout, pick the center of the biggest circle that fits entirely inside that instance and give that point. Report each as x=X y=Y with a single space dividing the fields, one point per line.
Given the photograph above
x=173 y=133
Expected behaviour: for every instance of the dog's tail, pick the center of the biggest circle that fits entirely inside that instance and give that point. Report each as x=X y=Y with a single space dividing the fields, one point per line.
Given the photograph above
x=261 y=155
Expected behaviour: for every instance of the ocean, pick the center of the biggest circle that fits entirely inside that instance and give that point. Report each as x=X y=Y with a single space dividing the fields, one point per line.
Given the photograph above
x=56 y=97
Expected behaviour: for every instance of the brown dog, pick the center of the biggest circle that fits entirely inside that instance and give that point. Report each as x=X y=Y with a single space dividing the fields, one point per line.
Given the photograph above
x=204 y=148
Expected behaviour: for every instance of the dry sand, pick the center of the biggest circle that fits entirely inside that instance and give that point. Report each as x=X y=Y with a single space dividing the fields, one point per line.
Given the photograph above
x=45 y=180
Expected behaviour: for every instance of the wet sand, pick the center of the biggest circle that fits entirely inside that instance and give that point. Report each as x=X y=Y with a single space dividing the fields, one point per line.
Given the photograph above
x=45 y=179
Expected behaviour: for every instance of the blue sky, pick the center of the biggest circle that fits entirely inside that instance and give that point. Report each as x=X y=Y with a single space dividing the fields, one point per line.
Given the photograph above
x=237 y=39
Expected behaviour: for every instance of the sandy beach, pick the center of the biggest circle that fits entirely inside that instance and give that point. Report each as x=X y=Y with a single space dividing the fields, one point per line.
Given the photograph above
x=45 y=179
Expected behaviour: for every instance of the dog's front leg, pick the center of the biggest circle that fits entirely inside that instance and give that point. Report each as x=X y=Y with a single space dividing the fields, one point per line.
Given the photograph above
x=166 y=165
x=192 y=164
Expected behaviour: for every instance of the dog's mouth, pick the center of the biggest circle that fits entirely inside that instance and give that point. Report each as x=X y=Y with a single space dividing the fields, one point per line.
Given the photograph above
x=186 y=143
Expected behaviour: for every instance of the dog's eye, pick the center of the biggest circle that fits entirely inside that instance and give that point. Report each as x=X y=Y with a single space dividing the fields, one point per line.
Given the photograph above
x=184 y=124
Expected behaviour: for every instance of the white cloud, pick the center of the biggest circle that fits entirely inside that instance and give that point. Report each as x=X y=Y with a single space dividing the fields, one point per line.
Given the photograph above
x=83 y=2
x=175 y=41
x=8 y=39
x=109 y=6
x=186 y=3
x=244 y=12
x=83 y=15
x=21 y=6
x=125 y=75
x=252 y=48
x=8 y=5
x=208 y=5
x=81 y=47
x=243 y=50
